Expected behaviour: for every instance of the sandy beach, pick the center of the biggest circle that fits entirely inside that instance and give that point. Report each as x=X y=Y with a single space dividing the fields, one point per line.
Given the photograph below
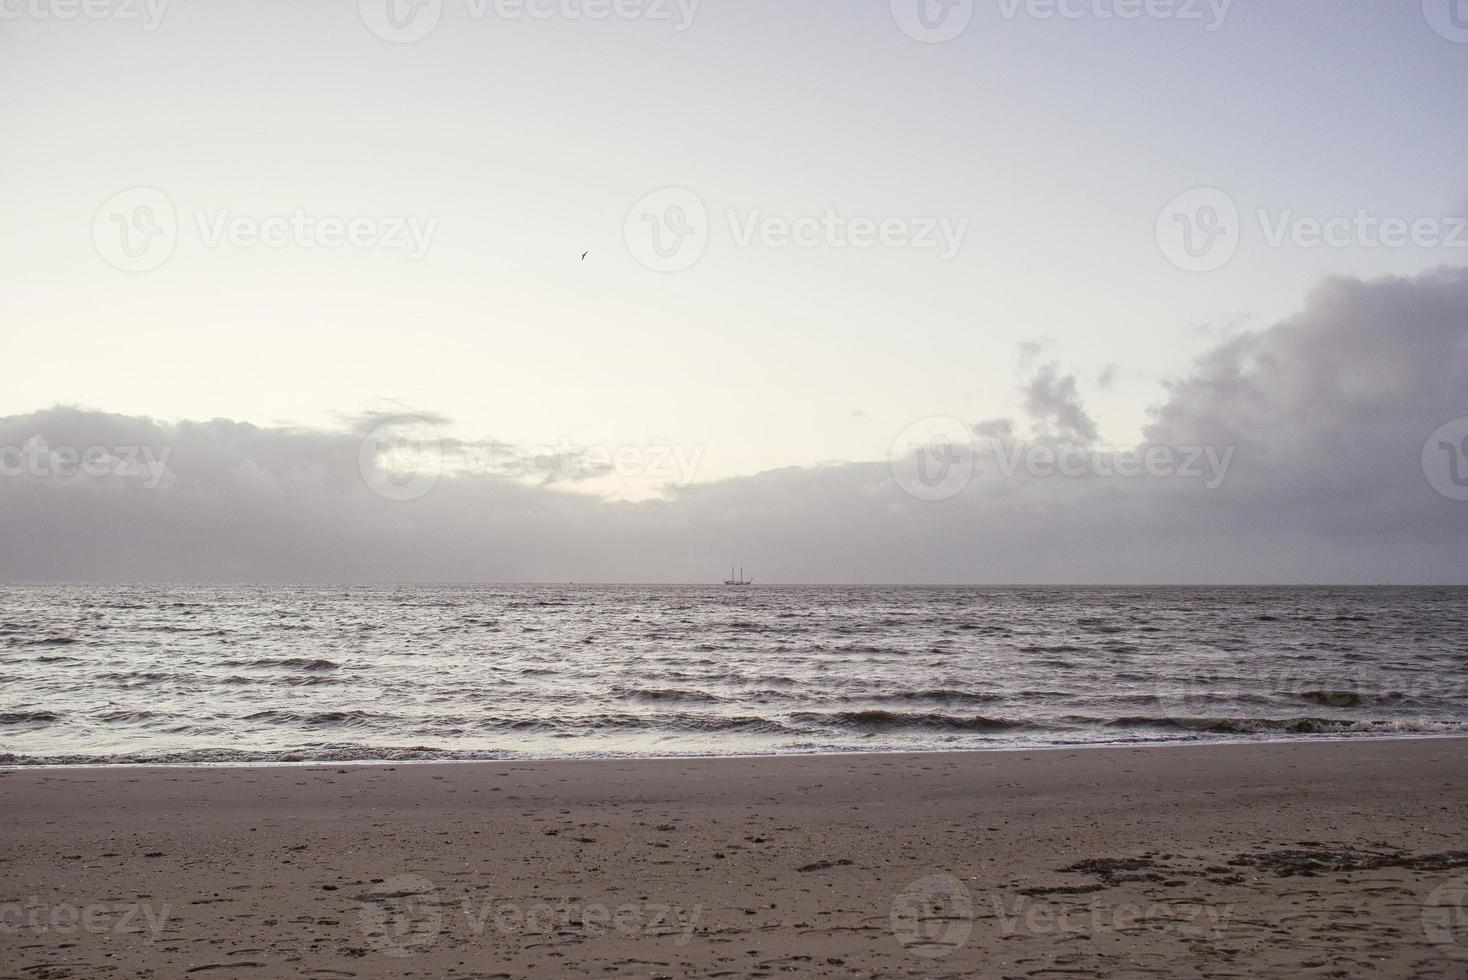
x=1307 y=859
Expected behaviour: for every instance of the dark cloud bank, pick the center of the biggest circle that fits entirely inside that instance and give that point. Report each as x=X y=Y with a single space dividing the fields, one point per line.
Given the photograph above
x=1327 y=414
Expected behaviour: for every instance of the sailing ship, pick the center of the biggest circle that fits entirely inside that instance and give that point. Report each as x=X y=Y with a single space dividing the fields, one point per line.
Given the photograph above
x=737 y=580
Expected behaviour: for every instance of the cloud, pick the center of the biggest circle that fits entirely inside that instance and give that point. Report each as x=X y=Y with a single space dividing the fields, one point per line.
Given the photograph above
x=1051 y=400
x=1332 y=406
x=995 y=428
x=1054 y=405
x=1326 y=414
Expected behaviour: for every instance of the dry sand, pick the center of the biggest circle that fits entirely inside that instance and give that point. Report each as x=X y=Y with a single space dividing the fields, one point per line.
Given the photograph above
x=1316 y=859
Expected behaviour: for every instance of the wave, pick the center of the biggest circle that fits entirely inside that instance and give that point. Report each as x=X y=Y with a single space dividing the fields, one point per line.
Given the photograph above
x=560 y=725
x=304 y=680
x=942 y=694
x=319 y=719
x=123 y=716
x=139 y=675
x=657 y=694
x=672 y=671
x=28 y=717
x=210 y=756
x=682 y=722
x=1292 y=726
x=1350 y=699
x=296 y=663
x=880 y=720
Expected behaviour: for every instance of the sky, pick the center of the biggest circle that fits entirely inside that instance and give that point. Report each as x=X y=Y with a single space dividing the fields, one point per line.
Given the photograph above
x=1071 y=240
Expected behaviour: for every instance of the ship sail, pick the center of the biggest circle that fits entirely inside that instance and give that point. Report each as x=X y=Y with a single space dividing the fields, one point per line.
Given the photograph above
x=738 y=579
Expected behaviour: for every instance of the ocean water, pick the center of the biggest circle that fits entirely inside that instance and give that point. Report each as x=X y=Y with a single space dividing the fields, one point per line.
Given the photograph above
x=103 y=674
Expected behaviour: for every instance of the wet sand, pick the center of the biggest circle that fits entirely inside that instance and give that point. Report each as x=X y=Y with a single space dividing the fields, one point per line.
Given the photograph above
x=1327 y=859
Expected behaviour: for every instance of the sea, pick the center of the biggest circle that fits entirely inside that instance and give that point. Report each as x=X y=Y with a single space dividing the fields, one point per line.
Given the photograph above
x=114 y=674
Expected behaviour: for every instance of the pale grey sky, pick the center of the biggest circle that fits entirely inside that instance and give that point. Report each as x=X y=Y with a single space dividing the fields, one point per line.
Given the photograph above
x=524 y=142
x=1330 y=447
x=1059 y=159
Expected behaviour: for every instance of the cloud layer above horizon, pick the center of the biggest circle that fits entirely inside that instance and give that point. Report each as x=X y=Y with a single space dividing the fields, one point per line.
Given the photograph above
x=1326 y=421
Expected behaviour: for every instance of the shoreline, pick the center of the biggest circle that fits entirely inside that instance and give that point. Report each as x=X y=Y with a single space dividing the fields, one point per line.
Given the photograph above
x=1200 y=743
x=1305 y=857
